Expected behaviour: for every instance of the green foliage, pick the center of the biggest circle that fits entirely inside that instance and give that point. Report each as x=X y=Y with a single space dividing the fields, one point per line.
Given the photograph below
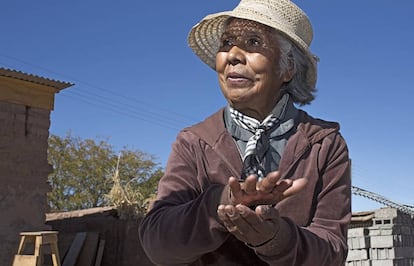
x=84 y=170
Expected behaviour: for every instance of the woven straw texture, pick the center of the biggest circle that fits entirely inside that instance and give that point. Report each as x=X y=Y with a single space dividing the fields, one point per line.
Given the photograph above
x=283 y=15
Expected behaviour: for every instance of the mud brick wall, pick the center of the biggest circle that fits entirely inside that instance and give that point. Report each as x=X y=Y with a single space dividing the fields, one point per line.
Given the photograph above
x=23 y=174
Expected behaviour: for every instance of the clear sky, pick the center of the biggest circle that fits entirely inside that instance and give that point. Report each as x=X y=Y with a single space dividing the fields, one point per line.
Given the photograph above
x=137 y=83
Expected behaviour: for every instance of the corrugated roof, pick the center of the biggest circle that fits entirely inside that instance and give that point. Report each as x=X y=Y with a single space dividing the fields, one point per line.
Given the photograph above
x=59 y=85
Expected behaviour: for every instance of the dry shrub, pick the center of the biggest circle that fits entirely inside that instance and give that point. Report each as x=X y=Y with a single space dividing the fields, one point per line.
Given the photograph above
x=129 y=202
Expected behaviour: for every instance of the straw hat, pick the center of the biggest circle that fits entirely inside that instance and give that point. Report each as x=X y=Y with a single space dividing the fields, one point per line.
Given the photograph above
x=283 y=15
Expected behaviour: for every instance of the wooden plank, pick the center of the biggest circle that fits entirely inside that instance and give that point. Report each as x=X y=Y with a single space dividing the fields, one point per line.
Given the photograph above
x=65 y=241
x=74 y=250
x=99 y=253
x=88 y=253
x=24 y=260
x=26 y=93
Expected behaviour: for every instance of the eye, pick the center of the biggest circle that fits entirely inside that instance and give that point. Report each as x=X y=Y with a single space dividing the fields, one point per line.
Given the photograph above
x=226 y=43
x=255 y=42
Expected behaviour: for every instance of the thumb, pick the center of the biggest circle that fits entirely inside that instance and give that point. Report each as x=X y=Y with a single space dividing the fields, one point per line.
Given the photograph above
x=296 y=186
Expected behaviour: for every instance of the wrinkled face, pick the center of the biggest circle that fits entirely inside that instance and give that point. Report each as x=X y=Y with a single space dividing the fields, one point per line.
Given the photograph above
x=247 y=65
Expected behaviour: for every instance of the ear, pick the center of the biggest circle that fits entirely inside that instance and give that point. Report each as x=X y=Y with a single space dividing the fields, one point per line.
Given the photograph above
x=288 y=75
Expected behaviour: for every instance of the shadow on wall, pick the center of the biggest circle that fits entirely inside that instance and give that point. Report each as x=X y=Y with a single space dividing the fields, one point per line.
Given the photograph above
x=121 y=241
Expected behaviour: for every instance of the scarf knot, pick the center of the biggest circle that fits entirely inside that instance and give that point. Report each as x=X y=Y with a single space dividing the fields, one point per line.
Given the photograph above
x=258 y=144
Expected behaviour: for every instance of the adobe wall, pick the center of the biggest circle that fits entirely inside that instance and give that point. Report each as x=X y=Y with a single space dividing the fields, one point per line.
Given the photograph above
x=23 y=174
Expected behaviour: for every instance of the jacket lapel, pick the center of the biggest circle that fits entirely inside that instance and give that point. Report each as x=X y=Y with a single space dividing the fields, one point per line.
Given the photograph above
x=214 y=133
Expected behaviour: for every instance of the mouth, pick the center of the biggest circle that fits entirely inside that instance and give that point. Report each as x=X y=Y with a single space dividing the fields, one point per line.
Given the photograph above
x=237 y=79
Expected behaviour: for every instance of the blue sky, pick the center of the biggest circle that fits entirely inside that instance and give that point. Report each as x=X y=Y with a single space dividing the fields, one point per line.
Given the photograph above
x=137 y=83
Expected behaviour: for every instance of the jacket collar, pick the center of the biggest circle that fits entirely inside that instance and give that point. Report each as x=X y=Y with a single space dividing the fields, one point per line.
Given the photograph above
x=313 y=130
x=309 y=131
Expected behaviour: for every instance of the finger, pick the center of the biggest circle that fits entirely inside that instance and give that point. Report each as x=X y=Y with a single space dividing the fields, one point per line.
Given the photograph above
x=250 y=218
x=235 y=188
x=231 y=212
x=297 y=185
x=247 y=220
x=236 y=223
x=221 y=212
x=267 y=212
x=283 y=185
x=269 y=182
x=250 y=185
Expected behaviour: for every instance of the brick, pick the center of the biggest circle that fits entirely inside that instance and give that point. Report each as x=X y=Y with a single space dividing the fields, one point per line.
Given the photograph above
x=391 y=230
x=357 y=255
x=389 y=215
x=391 y=253
x=382 y=241
x=396 y=262
x=359 y=242
x=356 y=232
x=391 y=241
x=406 y=230
x=358 y=263
x=374 y=232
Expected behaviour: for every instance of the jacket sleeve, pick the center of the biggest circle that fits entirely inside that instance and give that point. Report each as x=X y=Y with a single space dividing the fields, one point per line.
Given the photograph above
x=323 y=240
x=182 y=223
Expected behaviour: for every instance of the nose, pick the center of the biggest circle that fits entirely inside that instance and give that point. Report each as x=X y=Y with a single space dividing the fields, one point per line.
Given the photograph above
x=236 y=55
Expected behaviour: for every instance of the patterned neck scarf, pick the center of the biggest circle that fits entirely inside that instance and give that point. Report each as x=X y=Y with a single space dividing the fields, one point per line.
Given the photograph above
x=277 y=135
x=258 y=144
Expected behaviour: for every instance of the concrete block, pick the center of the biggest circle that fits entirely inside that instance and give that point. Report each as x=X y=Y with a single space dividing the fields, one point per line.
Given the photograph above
x=359 y=242
x=386 y=241
x=407 y=230
x=358 y=263
x=383 y=221
x=386 y=213
x=382 y=241
x=389 y=215
x=357 y=232
x=391 y=253
x=374 y=231
x=382 y=263
x=393 y=262
x=390 y=230
x=357 y=255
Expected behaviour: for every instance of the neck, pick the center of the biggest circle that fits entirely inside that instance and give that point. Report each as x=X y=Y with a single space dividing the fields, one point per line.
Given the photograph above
x=261 y=114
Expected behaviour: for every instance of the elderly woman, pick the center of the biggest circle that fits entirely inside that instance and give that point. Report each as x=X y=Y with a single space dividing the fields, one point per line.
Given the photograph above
x=260 y=182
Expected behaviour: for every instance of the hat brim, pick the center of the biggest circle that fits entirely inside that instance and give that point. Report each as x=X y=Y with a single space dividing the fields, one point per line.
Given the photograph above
x=204 y=39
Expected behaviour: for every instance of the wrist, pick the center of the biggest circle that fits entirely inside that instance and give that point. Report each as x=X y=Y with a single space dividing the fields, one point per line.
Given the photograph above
x=278 y=243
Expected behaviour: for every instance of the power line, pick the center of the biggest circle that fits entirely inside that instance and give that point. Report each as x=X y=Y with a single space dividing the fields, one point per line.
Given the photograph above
x=118 y=103
x=128 y=109
x=114 y=109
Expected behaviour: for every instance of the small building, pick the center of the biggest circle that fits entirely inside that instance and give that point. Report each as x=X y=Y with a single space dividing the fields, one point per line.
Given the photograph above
x=25 y=105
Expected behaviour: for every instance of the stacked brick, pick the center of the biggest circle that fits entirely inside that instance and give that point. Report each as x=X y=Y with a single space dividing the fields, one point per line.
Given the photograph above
x=358 y=245
x=388 y=242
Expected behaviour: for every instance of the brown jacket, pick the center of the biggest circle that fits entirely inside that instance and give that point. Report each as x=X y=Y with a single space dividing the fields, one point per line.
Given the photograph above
x=182 y=227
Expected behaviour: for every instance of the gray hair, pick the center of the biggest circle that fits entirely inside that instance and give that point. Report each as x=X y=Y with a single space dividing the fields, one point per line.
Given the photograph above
x=292 y=57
